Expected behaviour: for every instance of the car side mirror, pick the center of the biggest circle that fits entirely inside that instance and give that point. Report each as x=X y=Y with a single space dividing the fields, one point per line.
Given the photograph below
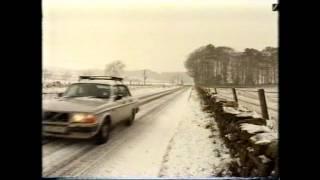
x=60 y=94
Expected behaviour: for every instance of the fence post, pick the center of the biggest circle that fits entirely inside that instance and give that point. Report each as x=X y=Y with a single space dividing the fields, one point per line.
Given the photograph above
x=235 y=97
x=263 y=104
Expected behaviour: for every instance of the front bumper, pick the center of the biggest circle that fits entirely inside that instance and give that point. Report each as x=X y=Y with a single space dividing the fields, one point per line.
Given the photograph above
x=69 y=130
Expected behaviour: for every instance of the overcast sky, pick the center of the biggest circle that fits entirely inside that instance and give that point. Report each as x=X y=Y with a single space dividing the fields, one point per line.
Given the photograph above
x=150 y=34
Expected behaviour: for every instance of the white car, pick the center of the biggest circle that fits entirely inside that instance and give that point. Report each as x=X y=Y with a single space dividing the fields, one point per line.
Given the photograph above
x=89 y=108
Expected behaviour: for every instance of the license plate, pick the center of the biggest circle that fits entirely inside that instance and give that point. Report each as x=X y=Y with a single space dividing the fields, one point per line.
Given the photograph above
x=56 y=129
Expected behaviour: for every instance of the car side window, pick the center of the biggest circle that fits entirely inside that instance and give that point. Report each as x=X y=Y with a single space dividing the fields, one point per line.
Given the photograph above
x=115 y=90
x=72 y=90
x=127 y=90
x=103 y=91
x=123 y=90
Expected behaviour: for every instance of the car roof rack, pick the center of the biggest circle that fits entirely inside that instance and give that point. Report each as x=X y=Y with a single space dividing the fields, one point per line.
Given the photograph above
x=100 y=78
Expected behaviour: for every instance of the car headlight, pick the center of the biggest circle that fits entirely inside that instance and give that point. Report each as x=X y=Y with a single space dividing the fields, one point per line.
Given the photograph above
x=83 y=118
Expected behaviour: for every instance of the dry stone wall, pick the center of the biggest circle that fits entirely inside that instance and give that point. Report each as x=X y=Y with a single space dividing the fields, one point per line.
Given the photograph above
x=253 y=144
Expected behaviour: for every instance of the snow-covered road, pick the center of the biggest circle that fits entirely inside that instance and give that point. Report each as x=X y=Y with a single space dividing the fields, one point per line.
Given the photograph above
x=168 y=138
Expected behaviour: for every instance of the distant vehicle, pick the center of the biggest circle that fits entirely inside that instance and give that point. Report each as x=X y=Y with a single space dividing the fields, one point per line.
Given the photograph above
x=89 y=108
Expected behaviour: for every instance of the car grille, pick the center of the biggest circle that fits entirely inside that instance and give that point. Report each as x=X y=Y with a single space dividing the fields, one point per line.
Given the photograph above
x=55 y=116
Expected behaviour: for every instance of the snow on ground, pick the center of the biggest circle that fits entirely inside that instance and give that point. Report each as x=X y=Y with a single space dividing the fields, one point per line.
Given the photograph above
x=174 y=140
x=248 y=98
x=54 y=90
x=149 y=90
x=251 y=99
x=145 y=142
x=194 y=150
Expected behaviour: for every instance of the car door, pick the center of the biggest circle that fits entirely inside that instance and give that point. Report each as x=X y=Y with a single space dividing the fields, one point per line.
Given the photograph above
x=118 y=105
x=127 y=101
x=121 y=109
x=130 y=101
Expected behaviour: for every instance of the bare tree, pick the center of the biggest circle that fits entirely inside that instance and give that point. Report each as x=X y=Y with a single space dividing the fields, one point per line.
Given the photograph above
x=115 y=68
x=222 y=65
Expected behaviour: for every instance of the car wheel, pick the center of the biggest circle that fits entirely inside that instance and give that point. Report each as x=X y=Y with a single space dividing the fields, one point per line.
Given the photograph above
x=129 y=122
x=103 y=135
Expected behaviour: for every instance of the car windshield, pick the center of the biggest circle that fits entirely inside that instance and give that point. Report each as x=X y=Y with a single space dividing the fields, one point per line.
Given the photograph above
x=88 y=90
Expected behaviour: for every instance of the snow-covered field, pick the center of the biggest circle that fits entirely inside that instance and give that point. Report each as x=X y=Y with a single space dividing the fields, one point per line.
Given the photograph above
x=169 y=138
x=248 y=97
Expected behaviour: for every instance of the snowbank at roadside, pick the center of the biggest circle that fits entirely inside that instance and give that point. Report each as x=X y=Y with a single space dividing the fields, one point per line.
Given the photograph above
x=196 y=148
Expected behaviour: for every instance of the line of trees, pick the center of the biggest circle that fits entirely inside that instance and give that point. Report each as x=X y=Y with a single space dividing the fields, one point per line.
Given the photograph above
x=210 y=65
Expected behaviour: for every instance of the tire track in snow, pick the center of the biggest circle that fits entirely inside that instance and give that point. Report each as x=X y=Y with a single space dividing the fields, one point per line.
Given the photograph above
x=73 y=166
x=61 y=167
x=54 y=146
x=63 y=157
x=169 y=147
x=165 y=158
x=95 y=168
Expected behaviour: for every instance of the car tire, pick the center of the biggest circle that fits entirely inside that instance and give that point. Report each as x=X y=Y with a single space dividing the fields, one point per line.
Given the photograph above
x=103 y=134
x=129 y=122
